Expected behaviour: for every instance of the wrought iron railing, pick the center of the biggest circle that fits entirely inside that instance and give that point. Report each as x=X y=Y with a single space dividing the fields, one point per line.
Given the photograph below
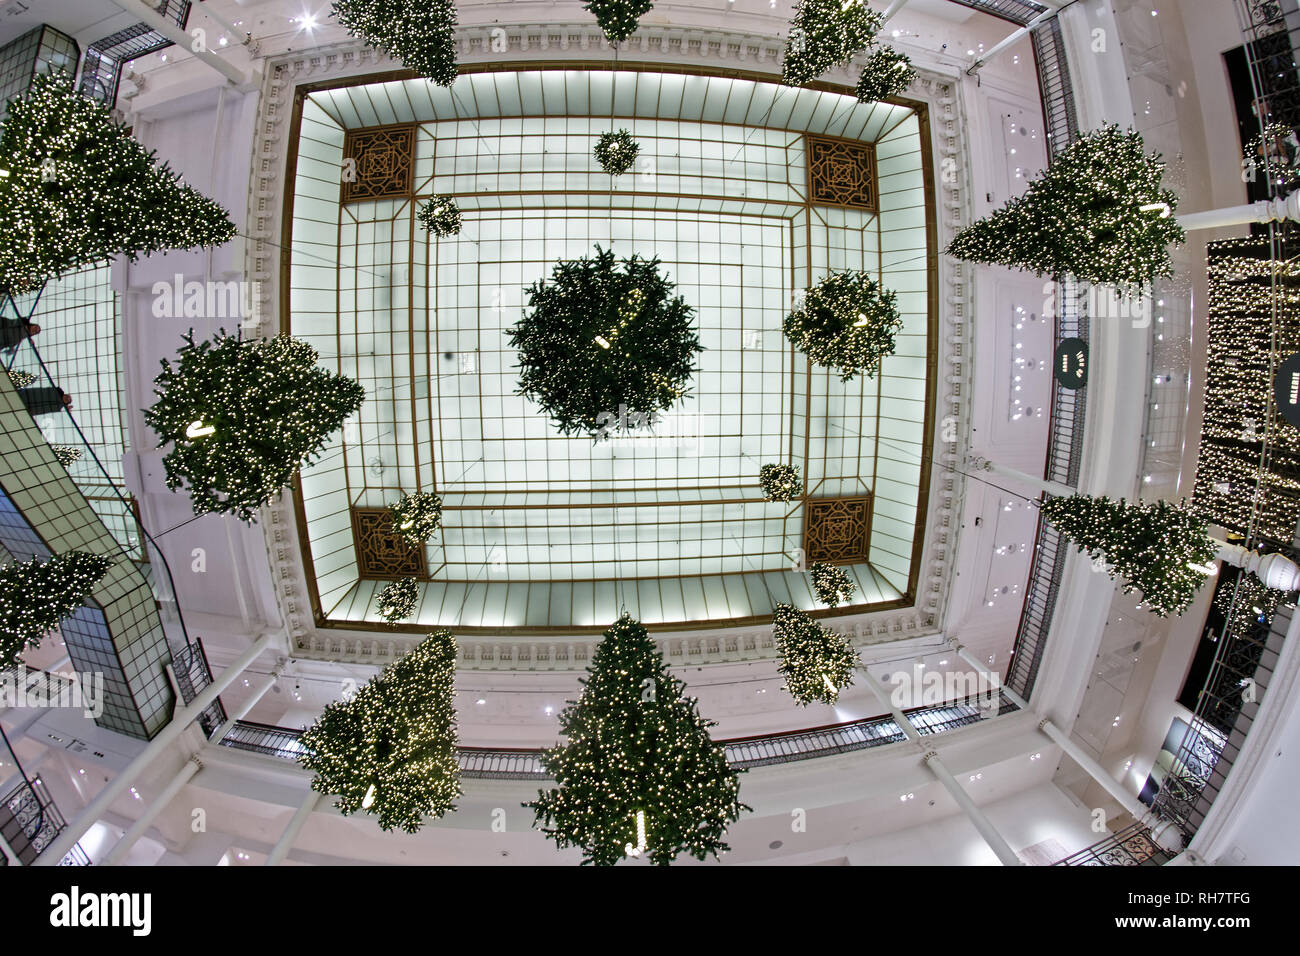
x=101 y=71
x=1132 y=846
x=29 y=819
x=488 y=763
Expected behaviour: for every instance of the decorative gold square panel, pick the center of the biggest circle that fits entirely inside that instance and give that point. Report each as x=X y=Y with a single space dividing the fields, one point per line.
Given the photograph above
x=381 y=554
x=378 y=162
x=841 y=172
x=837 y=530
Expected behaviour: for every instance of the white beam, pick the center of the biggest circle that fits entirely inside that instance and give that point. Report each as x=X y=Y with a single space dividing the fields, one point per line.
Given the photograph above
x=171 y=31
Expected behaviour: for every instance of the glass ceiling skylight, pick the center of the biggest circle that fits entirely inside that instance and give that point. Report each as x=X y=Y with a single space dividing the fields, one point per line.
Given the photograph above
x=541 y=530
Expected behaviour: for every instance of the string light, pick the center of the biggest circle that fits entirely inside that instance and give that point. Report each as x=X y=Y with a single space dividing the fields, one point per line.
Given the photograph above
x=1079 y=218
x=616 y=152
x=824 y=34
x=262 y=407
x=81 y=190
x=780 y=482
x=390 y=749
x=35 y=595
x=847 y=323
x=637 y=750
x=416 y=517
x=421 y=35
x=816 y=662
x=440 y=216
x=831 y=584
x=397 y=601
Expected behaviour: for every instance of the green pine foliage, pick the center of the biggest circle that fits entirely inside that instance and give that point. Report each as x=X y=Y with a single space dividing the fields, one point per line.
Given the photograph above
x=417 y=517
x=1083 y=216
x=847 y=323
x=66 y=454
x=636 y=746
x=831 y=584
x=601 y=342
x=816 y=662
x=80 y=190
x=390 y=750
x=397 y=601
x=269 y=406
x=616 y=152
x=419 y=33
x=618 y=19
x=826 y=33
x=440 y=216
x=1152 y=547
x=887 y=73
x=780 y=482
x=36 y=595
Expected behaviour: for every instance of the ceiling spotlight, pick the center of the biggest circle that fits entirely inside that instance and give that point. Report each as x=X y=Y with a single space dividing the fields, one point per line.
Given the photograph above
x=480 y=701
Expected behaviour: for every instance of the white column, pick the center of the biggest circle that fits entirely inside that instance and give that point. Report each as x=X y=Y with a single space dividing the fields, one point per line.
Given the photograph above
x=160 y=802
x=999 y=47
x=171 y=31
x=258 y=693
x=931 y=759
x=980 y=463
x=1091 y=767
x=1265 y=210
x=892 y=9
x=75 y=830
x=9 y=853
x=281 y=849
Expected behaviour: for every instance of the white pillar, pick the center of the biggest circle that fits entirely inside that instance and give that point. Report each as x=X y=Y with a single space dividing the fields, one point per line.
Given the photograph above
x=1275 y=571
x=1265 y=210
x=281 y=849
x=171 y=31
x=1091 y=767
x=936 y=766
x=160 y=802
x=982 y=823
x=999 y=47
x=892 y=9
x=258 y=693
x=979 y=463
x=75 y=830
x=9 y=853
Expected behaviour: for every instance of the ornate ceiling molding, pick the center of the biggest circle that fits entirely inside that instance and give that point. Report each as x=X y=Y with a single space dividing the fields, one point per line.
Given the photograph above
x=713 y=51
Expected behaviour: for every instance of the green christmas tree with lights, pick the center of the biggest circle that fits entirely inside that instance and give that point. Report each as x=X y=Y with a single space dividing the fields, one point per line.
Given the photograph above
x=618 y=19
x=1098 y=213
x=77 y=189
x=887 y=73
x=36 y=595
x=421 y=35
x=440 y=216
x=1156 y=548
x=602 y=344
x=416 y=517
x=616 y=152
x=242 y=415
x=390 y=750
x=831 y=584
x=397 y=601
x=825 y=34
x=816 y=662
x=847 y=323
x=780 y=482
x=639 y=775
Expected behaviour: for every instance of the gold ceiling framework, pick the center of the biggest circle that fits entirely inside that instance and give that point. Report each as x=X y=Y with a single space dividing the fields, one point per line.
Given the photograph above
x=839 y=172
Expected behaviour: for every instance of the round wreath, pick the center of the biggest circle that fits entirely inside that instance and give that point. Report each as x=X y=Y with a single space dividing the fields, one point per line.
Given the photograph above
x=780 y=482
x=603 y=342
x=847 y=323
x=440 y=216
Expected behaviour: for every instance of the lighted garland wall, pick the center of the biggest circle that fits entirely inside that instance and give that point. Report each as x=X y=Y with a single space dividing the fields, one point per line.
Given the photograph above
x=1239 y=386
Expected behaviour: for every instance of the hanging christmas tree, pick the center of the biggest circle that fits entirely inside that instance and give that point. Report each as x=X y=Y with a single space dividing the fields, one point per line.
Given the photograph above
x=640 y=774
x=887 y=73
x=390 y=749
x=422 y=35
x=20 y=379
x=417 y=517
x=1156 y=548
x=831 y=584
x=602 y=343
x=618 y=19
x=440 y=216
x=847 y=323
x=242 y=416
x=397 y=601
x=780 y=482
x=36 y=595
x=66 y=454
x=1098 y=212
x=616 y=152
x=815 y=661
x=78 y=189
x=824 y=34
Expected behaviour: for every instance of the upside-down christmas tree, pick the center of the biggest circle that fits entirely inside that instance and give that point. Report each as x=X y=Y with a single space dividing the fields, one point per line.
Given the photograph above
x=35 y=595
